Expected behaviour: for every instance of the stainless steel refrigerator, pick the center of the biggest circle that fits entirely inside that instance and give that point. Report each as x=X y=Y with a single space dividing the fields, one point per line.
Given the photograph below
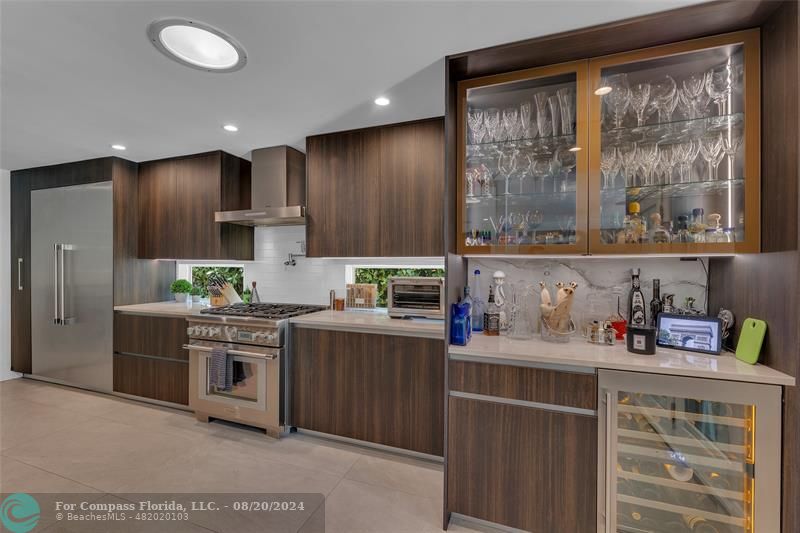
x=72 y=298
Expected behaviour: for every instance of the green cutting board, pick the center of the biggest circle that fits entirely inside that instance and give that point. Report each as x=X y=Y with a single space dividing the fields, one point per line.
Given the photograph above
x=750 y=340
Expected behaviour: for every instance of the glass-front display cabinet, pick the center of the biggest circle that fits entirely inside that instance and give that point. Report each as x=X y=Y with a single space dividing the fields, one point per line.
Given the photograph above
x=674 y=159
x=688 y=455
x=523 y=162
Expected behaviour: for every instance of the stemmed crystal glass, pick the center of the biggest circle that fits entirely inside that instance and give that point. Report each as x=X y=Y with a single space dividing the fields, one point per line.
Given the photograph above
x=628 y=162
x=693 y=90
x=609 y=165
x=511 y=123
x=619 y=97
x=640 y=96
x=731 y=142
x=712 y=152
x=475 y=123
x=686 y=152
x=666 y=162
x=663 y=95
x=543 y=123
x=719 y=86
x=566 y=96
x=527 y=126
x=491 y=119
x=648 y=157
x=507 y=164
x=555 y=113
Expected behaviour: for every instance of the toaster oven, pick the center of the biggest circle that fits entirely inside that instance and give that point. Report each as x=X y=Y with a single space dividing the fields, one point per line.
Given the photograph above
x=416 y=297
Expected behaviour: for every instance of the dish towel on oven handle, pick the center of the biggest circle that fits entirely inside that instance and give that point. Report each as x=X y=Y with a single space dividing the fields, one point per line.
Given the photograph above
x=220 y=375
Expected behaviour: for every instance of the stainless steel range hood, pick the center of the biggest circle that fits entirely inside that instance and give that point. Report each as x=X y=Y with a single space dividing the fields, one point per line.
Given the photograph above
x=278 y=190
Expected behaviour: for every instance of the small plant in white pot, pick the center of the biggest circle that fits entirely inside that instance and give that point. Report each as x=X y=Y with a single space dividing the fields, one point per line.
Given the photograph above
x=197 y=292
x=181 y=289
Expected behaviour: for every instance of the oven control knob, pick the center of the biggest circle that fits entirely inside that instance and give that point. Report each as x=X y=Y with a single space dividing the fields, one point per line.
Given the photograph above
x=271 y=337
x=204 y=331
x=190 y=331
x=213 y=332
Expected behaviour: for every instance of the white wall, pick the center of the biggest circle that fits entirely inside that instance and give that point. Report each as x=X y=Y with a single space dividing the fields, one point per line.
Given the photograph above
x=5 y=275
x=310 y=281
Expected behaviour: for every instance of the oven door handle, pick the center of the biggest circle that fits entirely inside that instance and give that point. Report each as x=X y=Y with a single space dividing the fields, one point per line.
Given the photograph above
x=231 y=352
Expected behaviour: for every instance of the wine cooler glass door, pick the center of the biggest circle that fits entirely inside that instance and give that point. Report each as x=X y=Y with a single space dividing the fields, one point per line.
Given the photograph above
x=674 y=158
x=681 y=455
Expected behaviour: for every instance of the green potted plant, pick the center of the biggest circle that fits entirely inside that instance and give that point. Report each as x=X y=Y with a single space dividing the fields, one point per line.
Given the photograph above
x=197 y=292
x=181 y=289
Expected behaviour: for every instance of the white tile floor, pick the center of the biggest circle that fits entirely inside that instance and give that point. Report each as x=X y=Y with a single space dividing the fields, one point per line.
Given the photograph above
x=58 y=439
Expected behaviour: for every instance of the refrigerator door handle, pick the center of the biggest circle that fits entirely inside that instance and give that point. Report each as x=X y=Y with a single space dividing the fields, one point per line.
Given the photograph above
x=19 y=274
x=65 y=320
x=56 y=316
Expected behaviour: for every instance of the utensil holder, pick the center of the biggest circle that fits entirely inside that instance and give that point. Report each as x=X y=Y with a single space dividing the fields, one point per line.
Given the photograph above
x=551 y=335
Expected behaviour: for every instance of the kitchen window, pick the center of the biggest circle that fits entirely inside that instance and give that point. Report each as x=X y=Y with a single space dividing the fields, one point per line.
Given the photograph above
x=198 y=274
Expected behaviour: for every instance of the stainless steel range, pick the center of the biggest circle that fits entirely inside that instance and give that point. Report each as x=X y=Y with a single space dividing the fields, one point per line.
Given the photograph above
x=254 y=336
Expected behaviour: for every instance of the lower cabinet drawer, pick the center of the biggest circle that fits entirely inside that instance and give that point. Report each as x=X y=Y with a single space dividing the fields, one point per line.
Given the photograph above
x=527 y=468
x=158 y=379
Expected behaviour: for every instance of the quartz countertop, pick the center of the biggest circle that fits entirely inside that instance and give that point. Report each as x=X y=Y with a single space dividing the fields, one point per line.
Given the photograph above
x=170 y=309
x=371 y=322
x=579 y=353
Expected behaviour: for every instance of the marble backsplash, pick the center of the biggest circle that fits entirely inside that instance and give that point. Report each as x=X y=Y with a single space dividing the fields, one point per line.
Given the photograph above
x=600 y=280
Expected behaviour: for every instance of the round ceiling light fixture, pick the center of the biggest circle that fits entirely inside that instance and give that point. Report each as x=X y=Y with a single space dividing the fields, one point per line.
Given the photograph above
x=230 y=127
x=197 y=45
x=118 y=147
x=382 y=101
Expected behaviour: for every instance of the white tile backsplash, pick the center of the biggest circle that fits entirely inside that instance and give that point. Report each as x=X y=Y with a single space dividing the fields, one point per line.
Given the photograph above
x=310 y=281
x=597 y=278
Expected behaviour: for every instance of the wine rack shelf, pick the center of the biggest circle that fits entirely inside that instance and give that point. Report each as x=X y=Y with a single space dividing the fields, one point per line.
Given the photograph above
x=681 y=415
x=690 y=459
x=681 y=510
x=682 y=441
x=682 y=485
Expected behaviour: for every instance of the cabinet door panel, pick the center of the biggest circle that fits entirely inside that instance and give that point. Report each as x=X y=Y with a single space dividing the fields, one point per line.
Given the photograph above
x=158 y=379
x=197 y=182
x=150 y=335
x=377 y=388
x=158 y=237
x=343 y=194
x=522 y=467
x=20 y=275
x=412 y=185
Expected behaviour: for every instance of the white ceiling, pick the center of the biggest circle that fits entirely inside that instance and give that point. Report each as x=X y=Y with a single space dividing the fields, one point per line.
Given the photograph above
x=79 y=76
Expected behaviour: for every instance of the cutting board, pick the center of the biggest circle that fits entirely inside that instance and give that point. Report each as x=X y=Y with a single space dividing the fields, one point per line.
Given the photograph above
x=750 y=340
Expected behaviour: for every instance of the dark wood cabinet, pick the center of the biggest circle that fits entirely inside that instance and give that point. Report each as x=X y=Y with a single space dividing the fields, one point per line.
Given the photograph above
x=531 y=469
x=177 y=201
x=383 y=389
x=149 y=359
x=376 y=192
x=20 y=274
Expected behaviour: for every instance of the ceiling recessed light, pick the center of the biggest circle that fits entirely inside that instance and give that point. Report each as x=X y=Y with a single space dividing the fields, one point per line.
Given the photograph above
x=575 y=149
x=600 y=91
x=197 y=45
x=230 y=127
x=381 y=100
x=118 y=146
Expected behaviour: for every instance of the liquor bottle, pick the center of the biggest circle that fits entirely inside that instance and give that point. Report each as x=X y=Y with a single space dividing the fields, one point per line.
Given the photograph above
x=637 y=316
x=655 y=304
x=478 y=305
x=468 y=302
x=491 y=318
x=458 y=324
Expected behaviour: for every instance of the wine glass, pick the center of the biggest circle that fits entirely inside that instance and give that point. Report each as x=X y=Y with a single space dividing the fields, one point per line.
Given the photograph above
x=619 y=97
x=693 y=88
x=525 y=115
x=666 y=162
x=475 y=123
x=712 y=152
x=719 y=85
x=491 y=119
x=555 y=168
x=640 y=96
x=731 y=142
x=648 y=156
x=687 y=151
x=663 y=94
x=511 y=122
x=609 y=164
x=543 y=123
x=555 y=113
x=506 y=164
x=628 y=158
x=566 y=95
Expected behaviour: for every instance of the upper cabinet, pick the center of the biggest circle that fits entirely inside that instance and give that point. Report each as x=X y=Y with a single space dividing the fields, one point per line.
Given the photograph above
x=523 y=156
x=650 y=151
x=177 y=201
x=376 y=192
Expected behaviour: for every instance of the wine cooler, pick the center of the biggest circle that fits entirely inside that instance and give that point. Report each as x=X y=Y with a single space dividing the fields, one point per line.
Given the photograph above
x=686 y=455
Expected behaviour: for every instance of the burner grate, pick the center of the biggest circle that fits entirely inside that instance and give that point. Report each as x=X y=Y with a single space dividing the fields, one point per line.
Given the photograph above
x=263 y=310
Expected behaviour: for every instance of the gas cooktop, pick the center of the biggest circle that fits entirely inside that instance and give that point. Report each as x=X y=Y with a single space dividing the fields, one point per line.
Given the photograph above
x=264 y=310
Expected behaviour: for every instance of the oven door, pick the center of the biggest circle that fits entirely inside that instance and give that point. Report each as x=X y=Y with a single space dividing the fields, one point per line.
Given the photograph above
x=255 y=381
